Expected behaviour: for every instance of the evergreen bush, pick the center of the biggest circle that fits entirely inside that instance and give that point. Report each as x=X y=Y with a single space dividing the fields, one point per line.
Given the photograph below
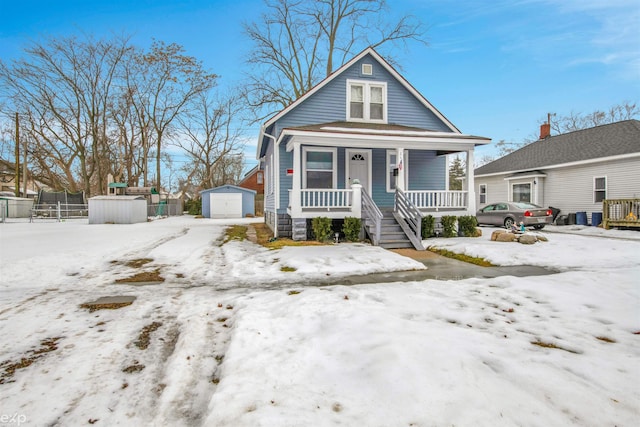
x=428 y=226
x=449 y=225
x=351 y=228
x=467 y=225
x=321 y=227
x=193 y=207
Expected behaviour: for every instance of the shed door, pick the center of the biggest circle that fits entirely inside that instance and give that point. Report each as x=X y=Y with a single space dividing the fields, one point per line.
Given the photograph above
x=225 y=205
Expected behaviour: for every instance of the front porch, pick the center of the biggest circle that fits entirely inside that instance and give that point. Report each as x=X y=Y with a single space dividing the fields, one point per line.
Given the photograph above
x=341 y=203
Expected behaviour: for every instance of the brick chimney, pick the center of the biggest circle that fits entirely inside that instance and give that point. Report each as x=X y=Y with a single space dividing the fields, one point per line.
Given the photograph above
x=545 y=130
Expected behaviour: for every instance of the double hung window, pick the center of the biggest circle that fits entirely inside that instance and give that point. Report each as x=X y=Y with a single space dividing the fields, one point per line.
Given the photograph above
x=366 y=101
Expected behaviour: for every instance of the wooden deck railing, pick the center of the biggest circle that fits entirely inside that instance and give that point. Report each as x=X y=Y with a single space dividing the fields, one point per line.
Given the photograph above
x=620 y=213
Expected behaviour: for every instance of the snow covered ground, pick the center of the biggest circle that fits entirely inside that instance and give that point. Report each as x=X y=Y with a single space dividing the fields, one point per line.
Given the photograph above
x=233 y=337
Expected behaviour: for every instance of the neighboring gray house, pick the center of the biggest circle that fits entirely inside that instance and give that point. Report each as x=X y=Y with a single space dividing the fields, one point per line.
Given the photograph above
x=228 y=201
x=573 y=172
x=362 y=143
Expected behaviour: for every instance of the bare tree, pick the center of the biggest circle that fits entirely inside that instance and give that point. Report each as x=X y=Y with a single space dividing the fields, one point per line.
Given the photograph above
x=211 y=140
x=576 y=121
x=169 y=81
x=297 y=43
x=62 y=91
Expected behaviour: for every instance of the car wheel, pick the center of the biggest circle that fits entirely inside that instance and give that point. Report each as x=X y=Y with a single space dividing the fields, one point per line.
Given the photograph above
x=508 y=222
x=538 y=227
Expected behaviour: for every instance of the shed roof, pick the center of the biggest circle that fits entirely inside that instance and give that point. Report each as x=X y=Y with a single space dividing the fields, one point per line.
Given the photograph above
x=610 y=140
x=228 y=187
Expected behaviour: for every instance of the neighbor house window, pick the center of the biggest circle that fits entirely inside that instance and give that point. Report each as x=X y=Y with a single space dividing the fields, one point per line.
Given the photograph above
x=366 y=101
x=259 y=179
x=319 y=168
x=522 y=192
x=392 y=164
x=483 y=194
x=599 y=189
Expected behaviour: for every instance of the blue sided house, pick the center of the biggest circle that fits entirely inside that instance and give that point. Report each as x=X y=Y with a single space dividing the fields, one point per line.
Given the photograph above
x=363 y=143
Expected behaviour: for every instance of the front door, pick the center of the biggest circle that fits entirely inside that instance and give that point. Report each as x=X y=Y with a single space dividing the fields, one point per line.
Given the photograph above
x=359 y=167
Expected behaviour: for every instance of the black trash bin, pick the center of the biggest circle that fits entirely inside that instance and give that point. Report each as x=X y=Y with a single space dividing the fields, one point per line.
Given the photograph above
x=554 y=212
x=561 y=220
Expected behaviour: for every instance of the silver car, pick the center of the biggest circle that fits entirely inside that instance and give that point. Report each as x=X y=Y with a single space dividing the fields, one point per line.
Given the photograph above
x=508 y=214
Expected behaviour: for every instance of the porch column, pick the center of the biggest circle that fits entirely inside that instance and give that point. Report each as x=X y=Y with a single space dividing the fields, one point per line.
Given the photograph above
x=296 y=185
x=471 y=184
x=401 y=168
x=356 y=201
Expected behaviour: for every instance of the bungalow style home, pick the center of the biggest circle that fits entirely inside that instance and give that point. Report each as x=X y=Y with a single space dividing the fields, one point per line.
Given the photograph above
x=574 y=172
x=362 y=143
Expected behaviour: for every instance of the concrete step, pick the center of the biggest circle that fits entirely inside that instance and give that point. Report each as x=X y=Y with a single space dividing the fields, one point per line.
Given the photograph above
x=396 y=244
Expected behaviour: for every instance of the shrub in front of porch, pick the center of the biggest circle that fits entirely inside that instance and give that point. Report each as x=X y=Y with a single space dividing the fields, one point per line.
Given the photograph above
x=351 y=228
x=428 y=226
x=321 y=227
x=467 y=225
x=449 y=225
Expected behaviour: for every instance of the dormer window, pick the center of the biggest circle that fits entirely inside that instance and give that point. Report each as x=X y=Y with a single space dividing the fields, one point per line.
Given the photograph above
x=366 y=101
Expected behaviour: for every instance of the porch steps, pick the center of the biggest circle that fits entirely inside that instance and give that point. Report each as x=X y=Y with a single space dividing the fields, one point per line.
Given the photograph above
x=391 y=234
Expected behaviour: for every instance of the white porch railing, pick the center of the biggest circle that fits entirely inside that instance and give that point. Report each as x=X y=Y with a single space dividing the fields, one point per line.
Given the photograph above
x=325 y=199
x=424 y=199
x=339 y=203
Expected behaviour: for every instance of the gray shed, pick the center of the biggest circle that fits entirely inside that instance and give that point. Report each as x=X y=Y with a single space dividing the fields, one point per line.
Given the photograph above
x=117 y=209
x=228 y=201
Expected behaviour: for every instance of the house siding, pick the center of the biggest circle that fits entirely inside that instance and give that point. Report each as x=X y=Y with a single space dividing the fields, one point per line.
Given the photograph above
x=329 y=103
x=570 y=189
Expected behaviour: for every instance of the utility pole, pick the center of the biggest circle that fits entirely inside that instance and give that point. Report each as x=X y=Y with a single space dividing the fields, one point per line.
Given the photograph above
x=17 y=175
x=24 y=167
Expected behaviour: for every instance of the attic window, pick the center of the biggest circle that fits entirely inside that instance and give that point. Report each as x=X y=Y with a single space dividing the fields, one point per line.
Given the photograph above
x=366 y=101
x=367 y=69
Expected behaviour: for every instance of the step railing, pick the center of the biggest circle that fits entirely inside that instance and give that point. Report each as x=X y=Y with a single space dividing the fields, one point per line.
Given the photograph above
x=371 y=213
x=409 y=217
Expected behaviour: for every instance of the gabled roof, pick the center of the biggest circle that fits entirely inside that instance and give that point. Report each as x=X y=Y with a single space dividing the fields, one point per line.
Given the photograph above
x=328 y=79
x=606 y=141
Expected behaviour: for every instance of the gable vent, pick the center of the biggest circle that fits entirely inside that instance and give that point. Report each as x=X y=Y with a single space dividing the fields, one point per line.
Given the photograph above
x=367 y=69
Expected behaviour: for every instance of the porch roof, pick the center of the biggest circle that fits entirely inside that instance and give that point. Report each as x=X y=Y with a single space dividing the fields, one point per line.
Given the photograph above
x=355 y=134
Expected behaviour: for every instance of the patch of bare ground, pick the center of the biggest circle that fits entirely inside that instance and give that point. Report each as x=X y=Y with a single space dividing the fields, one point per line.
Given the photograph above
x=144 y=339
x=10 y=367
x=106 y=306
x=143 y=276
x=552 y=345
x=139 y=262
x=134 y=367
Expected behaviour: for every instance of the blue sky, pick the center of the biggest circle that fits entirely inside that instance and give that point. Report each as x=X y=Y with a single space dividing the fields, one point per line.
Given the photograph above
x=494 y=68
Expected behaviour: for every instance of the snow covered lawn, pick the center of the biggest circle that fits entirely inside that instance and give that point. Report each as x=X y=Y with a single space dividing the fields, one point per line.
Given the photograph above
x=233 y=337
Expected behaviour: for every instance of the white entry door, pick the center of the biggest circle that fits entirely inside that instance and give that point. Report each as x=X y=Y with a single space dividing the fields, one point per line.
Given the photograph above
x=225 y=205
x=359 y=167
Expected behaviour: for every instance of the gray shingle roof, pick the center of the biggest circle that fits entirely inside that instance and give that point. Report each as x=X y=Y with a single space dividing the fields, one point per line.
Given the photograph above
x=601 y=141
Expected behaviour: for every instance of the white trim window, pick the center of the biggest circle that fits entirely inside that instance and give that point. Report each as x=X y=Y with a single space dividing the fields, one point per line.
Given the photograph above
x=319 y=167
x=392 y=163
x=482 y=192
x=521 y=192
x=599 y=189
x=366 y=101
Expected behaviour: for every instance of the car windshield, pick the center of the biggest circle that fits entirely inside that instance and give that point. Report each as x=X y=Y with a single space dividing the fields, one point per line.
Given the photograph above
x=522 y=205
